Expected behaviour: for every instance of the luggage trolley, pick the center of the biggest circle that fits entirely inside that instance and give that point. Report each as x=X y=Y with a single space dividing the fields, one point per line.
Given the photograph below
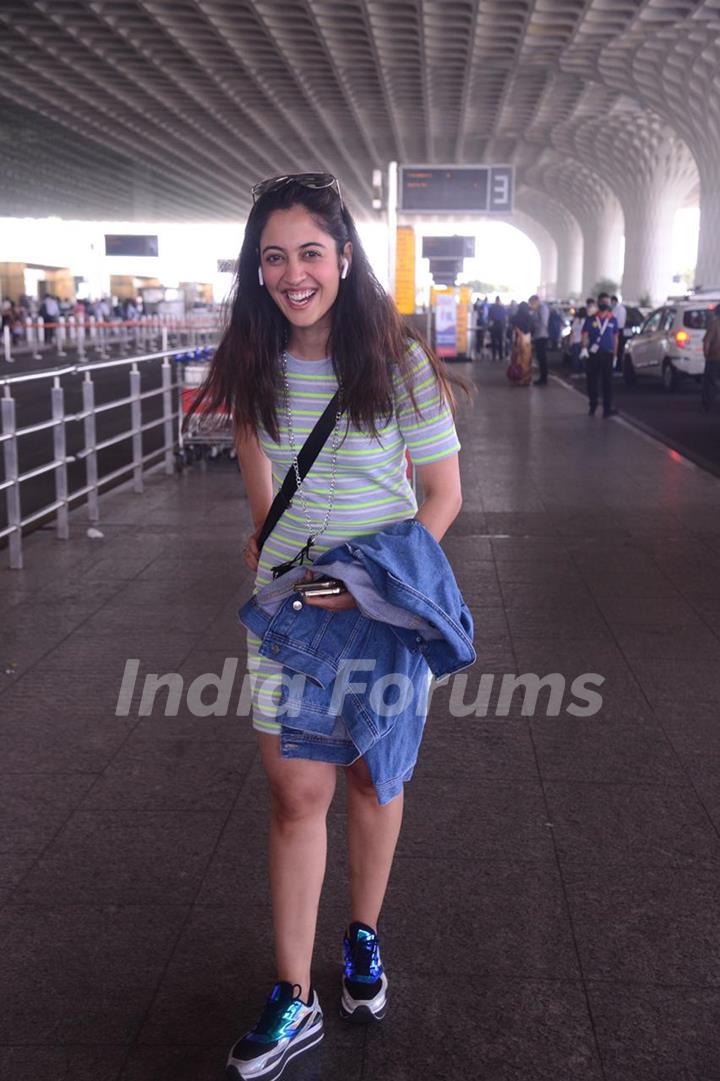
x=209 y=435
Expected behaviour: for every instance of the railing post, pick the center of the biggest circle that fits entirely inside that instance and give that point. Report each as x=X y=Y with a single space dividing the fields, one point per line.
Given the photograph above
x=136 y=422
x=60 y=335
x=164 y=342
x=7 y=345
x=57 y=398
x=31 y=336
x=93 y=332
x=91 y=471
x=12 y=494
x=103 y=338
x=81 y=339
x=167 y=374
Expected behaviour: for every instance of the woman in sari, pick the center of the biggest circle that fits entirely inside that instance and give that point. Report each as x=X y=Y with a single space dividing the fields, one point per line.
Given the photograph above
x=519 y=369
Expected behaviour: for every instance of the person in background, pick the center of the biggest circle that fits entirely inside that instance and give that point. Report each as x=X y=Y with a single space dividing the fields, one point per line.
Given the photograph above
x=620 y=312
x=509 y=328
x=555 y=328
x=540 y=335
x=479 y=313
x=598 y=350
x=497 y=318
x=576 y=338
x=590 y=305
x=50 y=312
x=519 y=370
x=711 y=350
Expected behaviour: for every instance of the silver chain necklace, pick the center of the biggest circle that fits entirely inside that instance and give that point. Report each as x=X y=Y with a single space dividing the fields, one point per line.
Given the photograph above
x=313 y=531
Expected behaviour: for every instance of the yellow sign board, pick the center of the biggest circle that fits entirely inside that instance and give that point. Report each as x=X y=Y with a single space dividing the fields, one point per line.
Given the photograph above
x=405 y=270
x=463 y=313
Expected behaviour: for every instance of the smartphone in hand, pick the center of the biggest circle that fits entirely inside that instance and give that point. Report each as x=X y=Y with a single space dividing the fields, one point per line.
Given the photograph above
x=321 y=587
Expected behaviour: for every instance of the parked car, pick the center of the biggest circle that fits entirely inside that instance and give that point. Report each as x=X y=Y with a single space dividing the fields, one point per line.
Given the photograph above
x=668 y=344
x=635 y=319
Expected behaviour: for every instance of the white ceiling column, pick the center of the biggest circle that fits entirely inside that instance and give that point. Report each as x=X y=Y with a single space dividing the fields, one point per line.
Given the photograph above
x=565 y=231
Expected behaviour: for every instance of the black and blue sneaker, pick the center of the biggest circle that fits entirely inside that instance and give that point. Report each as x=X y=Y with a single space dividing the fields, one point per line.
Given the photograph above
x=364 y=985
x=287 y=1027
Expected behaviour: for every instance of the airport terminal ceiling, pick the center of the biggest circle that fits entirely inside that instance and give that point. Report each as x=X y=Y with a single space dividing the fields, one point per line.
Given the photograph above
x=171 y=109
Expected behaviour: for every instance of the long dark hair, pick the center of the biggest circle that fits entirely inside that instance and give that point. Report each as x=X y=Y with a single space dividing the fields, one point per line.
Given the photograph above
x=367 y=334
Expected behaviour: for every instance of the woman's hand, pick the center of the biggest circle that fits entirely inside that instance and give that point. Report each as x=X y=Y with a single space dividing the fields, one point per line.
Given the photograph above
x=340 y=602
x=251 y=552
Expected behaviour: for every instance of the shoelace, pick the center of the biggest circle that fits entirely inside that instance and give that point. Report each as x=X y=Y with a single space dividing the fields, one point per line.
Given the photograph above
x=277 y=1016
x=362 y=959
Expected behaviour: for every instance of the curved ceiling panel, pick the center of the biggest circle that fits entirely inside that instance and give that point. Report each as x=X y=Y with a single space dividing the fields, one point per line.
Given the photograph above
x=173 y=108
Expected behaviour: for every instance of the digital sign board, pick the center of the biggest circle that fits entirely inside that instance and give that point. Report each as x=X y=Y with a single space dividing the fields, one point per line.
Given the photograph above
x=486 y=189
x=125 y=244
x=448 y=247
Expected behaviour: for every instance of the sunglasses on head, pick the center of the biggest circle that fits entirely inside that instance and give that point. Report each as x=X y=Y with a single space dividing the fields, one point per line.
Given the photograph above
x=316 y=181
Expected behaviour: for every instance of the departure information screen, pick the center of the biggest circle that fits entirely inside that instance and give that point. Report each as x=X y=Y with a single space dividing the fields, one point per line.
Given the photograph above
x=484 y=189
x=125 y=244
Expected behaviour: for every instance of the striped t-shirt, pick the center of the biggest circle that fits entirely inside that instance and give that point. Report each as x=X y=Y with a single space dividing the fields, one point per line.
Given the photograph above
x=371 y=487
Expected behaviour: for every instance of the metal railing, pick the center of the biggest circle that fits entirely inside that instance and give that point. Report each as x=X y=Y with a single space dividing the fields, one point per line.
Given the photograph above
x=59 y=507
x=80 y=336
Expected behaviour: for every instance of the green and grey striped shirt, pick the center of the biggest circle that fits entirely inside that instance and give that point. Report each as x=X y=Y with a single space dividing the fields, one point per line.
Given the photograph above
x=372 y=489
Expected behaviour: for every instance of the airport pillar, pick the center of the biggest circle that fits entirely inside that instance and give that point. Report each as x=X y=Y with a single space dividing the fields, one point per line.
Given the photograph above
x=569 y=240
x=548 y=266
x=649 y=212
x=546 y=246
x=602 y=231
x=707 y=273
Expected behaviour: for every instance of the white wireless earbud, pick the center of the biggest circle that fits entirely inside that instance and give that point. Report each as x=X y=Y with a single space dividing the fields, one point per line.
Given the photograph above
x=345 y=269
x=260 y=276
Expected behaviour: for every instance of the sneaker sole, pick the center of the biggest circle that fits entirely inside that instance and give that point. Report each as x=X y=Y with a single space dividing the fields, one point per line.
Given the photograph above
x=359 y=1012
x=232 y=1073
x=362 y=1015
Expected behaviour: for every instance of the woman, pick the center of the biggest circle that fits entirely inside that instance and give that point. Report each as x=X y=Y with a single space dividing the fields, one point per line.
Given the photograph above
x=308 y=315
x=519 y=369
x=576 y=339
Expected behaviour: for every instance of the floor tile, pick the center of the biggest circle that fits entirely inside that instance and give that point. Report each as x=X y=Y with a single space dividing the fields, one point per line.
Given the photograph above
x=28 y=1063
x=646 y=925
x=639 y=825
x=510 y=1030
x=657 y=1033
x=81 y=974
x=125 y=857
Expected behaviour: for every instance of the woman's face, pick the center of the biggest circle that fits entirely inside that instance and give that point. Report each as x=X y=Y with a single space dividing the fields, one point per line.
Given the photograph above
x=300 y=266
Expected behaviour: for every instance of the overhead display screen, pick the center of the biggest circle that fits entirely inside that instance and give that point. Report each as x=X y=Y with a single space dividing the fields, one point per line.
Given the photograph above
x=448 y=247
x=124 y=244
x=485 y=189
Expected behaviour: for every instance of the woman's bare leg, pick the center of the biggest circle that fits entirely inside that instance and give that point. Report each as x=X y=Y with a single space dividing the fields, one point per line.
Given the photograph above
x=301 y=792
x=372 y=836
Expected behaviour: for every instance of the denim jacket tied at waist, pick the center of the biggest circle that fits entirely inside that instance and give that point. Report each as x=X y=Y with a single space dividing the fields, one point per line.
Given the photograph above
x=356 y=680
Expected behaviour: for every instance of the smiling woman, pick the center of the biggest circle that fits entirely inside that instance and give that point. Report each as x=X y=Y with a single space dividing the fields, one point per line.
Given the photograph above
x=310 y=324
x=302 y=277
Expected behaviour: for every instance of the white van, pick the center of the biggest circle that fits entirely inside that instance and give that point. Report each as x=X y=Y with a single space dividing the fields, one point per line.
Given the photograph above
x=669 y=343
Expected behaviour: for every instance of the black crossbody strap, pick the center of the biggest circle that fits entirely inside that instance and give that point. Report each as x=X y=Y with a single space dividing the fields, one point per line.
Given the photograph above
x=308 y=453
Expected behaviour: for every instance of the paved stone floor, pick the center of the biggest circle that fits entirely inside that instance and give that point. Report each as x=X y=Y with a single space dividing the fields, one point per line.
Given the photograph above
x=554 y=909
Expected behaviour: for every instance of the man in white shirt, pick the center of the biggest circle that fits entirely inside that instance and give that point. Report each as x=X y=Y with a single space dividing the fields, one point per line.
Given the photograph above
x=620 y=312
x=50 y=312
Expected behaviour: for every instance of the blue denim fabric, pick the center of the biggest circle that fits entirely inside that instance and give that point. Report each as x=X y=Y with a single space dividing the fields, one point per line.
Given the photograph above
x=411 y=622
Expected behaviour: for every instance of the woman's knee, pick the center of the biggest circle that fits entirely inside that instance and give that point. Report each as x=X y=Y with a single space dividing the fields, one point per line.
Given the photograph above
x=300 y=799
x=298 y=788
